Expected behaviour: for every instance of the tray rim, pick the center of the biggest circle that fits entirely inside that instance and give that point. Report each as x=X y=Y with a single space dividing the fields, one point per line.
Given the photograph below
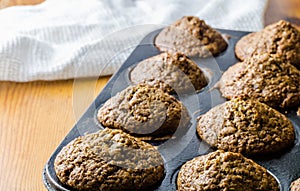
x=47 y=179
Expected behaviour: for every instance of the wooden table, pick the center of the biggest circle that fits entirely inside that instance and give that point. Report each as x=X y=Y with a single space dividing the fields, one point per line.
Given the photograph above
x=36 y=116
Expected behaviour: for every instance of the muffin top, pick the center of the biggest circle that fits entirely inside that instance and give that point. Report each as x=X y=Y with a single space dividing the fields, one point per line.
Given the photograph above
x=172 y=72
x=280 y=38
x=109 y=160
x=246 y=126
x=295 y=186
x=226 y=171
x=266 y=78
x=144 y=111
x=192 y=37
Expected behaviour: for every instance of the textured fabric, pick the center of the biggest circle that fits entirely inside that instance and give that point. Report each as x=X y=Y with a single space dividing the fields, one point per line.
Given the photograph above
x=61 y=39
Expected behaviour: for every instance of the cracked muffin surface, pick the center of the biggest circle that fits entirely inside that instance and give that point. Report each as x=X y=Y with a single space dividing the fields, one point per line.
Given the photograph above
x=172 y=72
x=109 y=160
x=280 y=38
x=266 y=78
x=246 y=126
x=224 y=171
x=144 y=111
x=192 y=37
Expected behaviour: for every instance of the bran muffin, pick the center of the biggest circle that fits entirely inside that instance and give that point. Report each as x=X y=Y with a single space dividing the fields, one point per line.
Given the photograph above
x=266 y=78
x=246 y=126
x=192 y=37
x=172 y=72
x=109 y=160
x=295 y=186
x=224 y=171
x=144 y=111
x=280 y=38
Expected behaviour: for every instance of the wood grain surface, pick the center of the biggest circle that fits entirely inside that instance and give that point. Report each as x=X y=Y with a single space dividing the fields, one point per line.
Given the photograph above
x=36 y=116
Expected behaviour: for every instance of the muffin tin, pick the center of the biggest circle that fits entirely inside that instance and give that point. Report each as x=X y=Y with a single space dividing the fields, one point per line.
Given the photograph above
x=187 y=145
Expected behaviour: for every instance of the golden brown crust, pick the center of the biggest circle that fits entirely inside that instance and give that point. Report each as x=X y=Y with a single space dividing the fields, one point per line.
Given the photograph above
x=247 y=45
x=144 y=111
x=280 y=38
x=265 y=78
x=192 y=37
x=109 y=160
x=246 y=126
x=225 y=171
x=172 y=72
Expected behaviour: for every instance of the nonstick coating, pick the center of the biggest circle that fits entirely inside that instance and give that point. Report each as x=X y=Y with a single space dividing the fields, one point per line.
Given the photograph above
x=285 y=167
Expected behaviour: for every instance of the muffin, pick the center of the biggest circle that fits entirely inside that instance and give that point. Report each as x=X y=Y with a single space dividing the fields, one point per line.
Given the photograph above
x=246 y=126
x=144 y=111
x=295 y=186
x=172 y=72
x=225 y=171
x=280 y=38
x=109 y=160
x=192 y=37
x=264 y=77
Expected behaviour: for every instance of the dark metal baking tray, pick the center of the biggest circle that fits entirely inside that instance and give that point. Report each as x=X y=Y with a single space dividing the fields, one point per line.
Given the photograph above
x=285 y=167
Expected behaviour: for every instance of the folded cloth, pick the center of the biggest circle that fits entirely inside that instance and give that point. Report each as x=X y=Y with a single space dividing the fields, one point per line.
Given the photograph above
x=79 y=38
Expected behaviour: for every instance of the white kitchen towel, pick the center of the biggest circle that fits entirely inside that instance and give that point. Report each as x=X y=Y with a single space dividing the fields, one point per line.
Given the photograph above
x=62 y=39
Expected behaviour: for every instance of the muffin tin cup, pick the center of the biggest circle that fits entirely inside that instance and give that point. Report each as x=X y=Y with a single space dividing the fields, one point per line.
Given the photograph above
x=186 y=145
